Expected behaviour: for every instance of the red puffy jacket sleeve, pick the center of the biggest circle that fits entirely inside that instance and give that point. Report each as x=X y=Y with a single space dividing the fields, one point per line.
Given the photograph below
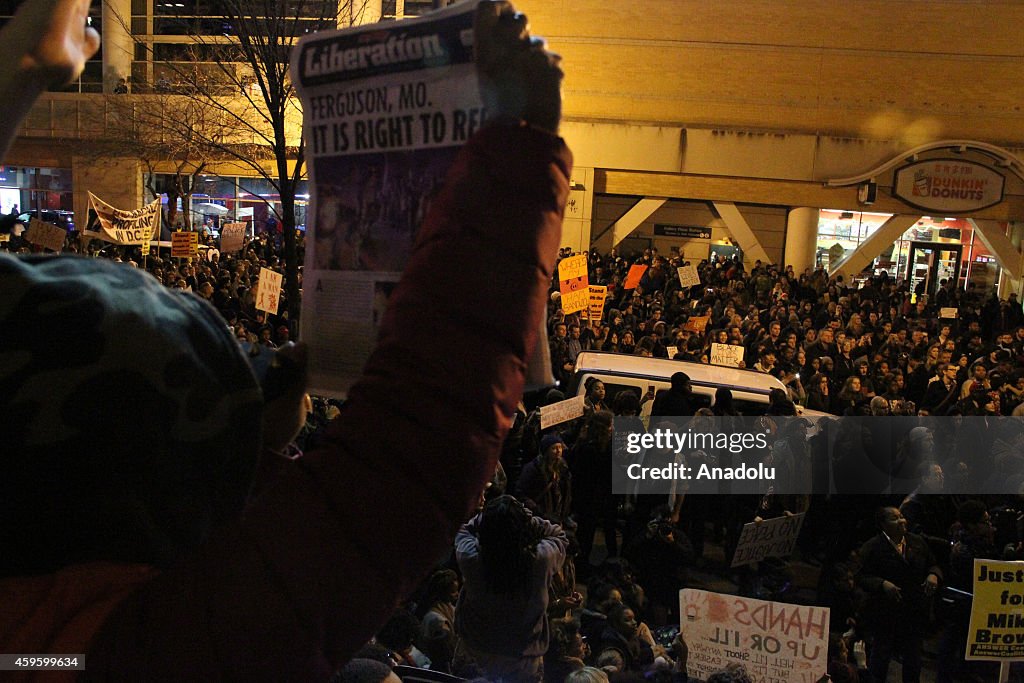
x=320 y=559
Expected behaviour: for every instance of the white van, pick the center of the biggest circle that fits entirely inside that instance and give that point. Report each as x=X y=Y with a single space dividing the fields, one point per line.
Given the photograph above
x=750 y=388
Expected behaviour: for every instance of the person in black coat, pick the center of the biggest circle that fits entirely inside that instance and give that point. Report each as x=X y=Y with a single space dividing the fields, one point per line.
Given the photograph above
x=676 y=401
x=900 y=576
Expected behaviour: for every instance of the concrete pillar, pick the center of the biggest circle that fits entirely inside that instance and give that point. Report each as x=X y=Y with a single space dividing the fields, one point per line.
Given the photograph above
x=118 y=46
x=576 y=225
x=741 y=230
x=801 y=238
x=359 y=12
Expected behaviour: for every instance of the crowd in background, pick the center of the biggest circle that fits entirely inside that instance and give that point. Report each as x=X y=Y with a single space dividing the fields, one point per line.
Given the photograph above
x=550 y=515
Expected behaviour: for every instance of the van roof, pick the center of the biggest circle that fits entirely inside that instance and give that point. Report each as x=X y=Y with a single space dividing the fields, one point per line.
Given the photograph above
x=662 y=368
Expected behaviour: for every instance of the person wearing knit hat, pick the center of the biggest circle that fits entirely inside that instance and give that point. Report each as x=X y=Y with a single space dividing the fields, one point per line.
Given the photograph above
x=545 y=483
x=550 y=440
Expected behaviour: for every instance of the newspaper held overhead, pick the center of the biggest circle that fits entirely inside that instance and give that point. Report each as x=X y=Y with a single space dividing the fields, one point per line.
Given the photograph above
x=386 y=108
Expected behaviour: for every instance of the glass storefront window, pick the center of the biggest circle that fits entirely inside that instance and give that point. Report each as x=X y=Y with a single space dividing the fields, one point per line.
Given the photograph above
x=941 y=247
x=218 y=200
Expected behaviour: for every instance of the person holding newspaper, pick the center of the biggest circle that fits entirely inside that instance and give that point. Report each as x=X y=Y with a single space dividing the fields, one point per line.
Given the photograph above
x=129 y=460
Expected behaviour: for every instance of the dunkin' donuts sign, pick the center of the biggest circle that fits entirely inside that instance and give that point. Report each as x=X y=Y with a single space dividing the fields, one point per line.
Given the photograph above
x=948 y=185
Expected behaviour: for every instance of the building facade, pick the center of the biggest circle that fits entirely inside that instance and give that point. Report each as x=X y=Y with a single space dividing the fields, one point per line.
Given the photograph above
x=790 y=131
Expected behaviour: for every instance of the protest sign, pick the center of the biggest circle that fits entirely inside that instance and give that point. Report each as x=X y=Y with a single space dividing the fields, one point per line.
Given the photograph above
x=728 y=355
x=231 y=237
x=598 y=294
x=46 y=235
x=120 y=226
x=184 y=244
x=948 y=313
x=697 y=323
x=268 y=291
x=633 y=277
x=560 y=412
x=573 y=283
x=770 y=538
x=997 y=611
x=386 y=107
x=688 y=276
x=774 y=641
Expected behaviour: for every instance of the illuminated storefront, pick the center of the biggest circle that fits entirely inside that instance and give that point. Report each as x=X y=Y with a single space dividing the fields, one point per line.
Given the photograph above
x=933 y=250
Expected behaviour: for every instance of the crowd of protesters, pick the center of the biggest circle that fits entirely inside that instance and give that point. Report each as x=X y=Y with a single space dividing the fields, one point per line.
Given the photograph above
x=834 y=346
x=228 y=281
x=879 y=349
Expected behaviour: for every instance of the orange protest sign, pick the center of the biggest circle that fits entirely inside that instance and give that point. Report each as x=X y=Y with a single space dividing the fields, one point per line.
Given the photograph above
x=633 y=277
x=697 y=323
x=184 y=244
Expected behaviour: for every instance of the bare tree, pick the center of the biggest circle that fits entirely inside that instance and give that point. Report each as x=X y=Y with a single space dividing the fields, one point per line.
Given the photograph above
x=240 y=78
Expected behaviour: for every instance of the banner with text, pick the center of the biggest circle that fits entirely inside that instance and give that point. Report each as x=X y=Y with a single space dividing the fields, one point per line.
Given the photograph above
x=126 y=227
x=774 y=641
x=997 y=612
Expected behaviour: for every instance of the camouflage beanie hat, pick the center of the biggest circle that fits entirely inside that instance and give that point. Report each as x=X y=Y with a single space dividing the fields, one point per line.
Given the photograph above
x=130 y=417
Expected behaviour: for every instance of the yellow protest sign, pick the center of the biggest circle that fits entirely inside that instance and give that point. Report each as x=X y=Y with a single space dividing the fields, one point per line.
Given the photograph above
x=997 y=612
x=184 y=244
x=598 y=293
x=572 y=267
x=573 y=283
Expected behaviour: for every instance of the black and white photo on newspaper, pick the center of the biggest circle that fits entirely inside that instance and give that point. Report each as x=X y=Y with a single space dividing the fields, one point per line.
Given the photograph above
x=386 y=108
